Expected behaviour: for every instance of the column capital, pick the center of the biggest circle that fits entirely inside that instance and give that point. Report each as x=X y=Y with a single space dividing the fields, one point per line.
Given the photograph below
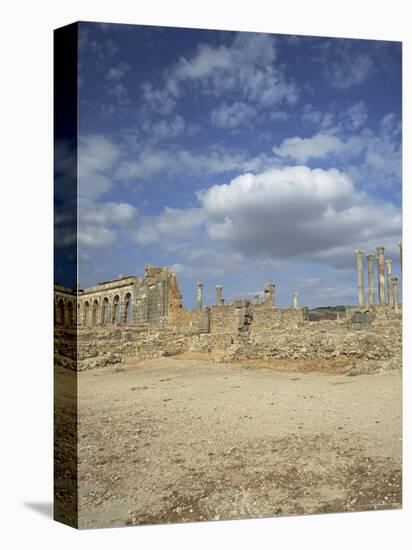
x=380 y=249
x=359 y=252
x=199 y=284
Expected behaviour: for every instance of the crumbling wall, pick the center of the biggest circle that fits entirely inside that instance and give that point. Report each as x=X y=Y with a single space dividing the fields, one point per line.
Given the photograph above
x=324 y=340
x=223 y=319
x=185 y=321
x=266 y=317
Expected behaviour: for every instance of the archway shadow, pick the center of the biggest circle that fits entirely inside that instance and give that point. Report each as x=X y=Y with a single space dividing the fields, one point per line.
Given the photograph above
x=43 y=508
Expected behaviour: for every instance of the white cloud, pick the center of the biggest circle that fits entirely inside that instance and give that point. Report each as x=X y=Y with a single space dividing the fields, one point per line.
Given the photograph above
x=161 y=101
x=64 y=235
x=99 y=222
x=165 y=129
x=315 y=116
x=97 y=156
x=297 y=212
x=389 y=124
x=348 y=71
x=172 y=223
x=232 y=116
x=152 y=161
x=102 y=213
x=371 y=158
x=117 y=72
x=278 y=116
x=355 y=116
x=246 y=67
x=346 y=63
x=95 y=236
x=317 y=146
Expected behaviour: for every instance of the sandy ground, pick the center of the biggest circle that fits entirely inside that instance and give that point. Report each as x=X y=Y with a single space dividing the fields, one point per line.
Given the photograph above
x=174 y=440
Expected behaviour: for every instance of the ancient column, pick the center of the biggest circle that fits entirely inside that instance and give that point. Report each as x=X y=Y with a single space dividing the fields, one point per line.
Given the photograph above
x=199 y=295
x=389 y=280
x=359 y=264
x=371 y=279
x=381 y=274
x=295 y=300
x=270 y=293
x=395 y=294
x=219 y=299
x=256 y=296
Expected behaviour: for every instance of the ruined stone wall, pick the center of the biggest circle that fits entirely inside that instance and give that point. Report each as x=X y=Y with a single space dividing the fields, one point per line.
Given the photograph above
x=223 y=319
x=324 y=340
x=216 y=319
x=380 y=314
x=188 y=321
x=137 y=318
x=109 y=302
x=266 y=317
x=129 y=300
x=64 y=306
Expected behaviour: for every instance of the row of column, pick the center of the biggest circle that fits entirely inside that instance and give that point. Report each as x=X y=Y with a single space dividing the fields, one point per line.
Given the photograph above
x=387 y=283
x=269 y=295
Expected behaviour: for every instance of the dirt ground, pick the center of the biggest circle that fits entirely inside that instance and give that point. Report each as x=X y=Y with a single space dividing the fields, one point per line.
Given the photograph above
x=177 y=440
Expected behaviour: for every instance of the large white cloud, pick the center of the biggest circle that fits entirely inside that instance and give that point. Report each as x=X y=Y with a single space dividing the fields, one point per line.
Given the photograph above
x=297 y=212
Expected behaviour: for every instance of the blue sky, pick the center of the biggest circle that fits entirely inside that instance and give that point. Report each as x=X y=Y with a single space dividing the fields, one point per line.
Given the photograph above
x=237 y=158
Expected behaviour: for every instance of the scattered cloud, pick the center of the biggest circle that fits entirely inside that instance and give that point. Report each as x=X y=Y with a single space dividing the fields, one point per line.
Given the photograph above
x=164 y=129
x=95 y=236
x=246 y=67
x=345 y=63
x=151 y=162
x=317 y=146
x=162 y=102
x=172 y=223
x=232 y=116
x=117 y=72
x=97 y=156
x=104 y=213
x=354 y=116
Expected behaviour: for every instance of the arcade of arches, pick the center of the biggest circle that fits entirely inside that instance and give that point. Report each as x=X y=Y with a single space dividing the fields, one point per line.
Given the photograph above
x=126 y=300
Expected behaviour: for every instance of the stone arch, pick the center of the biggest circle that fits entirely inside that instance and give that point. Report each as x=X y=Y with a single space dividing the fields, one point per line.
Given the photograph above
x=86 y=313
x=60 y=312
x=95 y=312
x=128 y=309
x=105 y=311
x=116 y=310
x=70 y=314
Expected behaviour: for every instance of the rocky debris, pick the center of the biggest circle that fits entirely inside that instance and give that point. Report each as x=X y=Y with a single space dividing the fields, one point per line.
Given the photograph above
x=323 y=340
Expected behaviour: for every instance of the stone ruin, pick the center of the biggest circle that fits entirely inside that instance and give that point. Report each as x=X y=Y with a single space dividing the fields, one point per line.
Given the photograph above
x=131 y=317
